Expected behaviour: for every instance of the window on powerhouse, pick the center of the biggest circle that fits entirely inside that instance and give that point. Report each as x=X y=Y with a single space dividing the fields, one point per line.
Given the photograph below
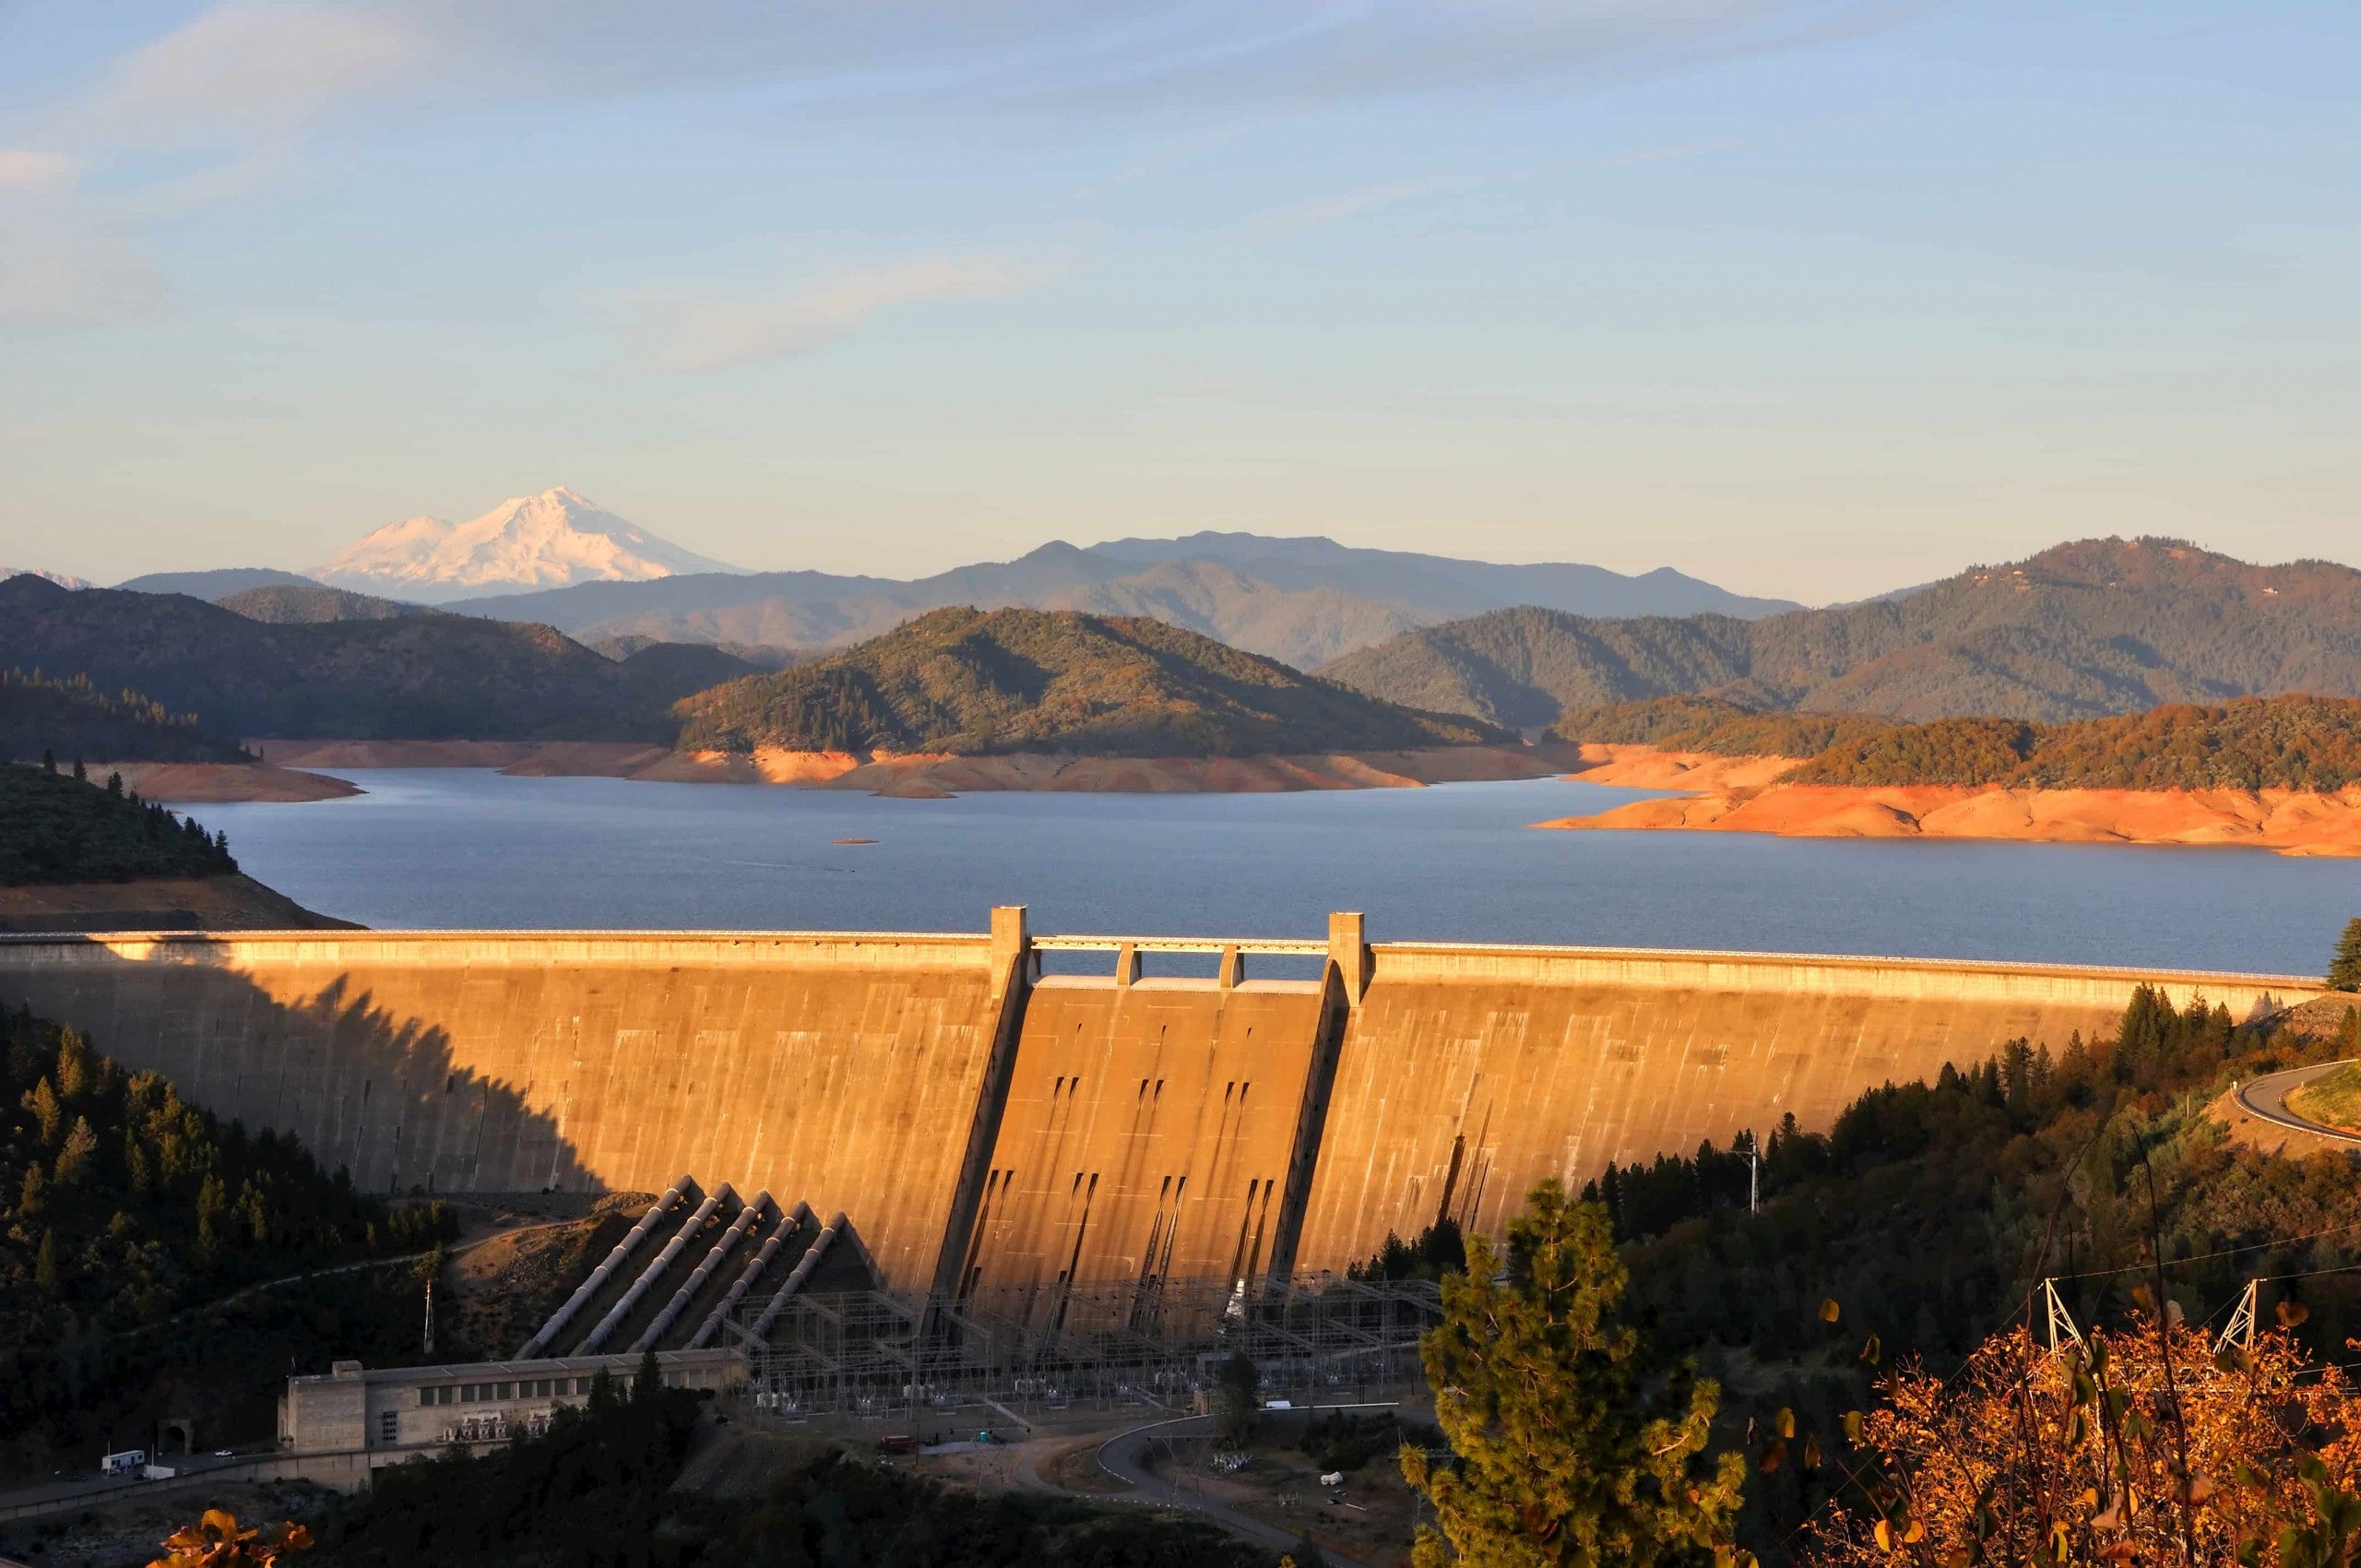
x=487 y=1393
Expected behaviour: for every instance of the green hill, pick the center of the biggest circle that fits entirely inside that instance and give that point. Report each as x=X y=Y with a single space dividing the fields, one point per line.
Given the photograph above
x=74 y=719
x=2085 y=630
x=305 y=604
x=972 y=681
x=422 y=677
x=126 y=1205
x=2295 y=742
x=1714 y=725
x=2284 y=743
x=57 y=829
x=1524 y=666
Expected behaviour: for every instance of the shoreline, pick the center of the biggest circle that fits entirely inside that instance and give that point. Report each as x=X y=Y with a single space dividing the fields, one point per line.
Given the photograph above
x=914 y=776
x=230 y=902
x=1720 y=794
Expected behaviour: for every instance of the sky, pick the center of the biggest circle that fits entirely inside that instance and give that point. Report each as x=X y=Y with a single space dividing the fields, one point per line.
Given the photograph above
x=1810 y=297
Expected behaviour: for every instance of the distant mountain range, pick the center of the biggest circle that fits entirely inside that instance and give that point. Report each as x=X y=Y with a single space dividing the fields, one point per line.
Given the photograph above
x=548 y=541
x=2087 y=629
x=314 y=604
x=1300 y=600
x=214 y=584
x=557 y=559
x=974 y=682
x=60 y=579
x=422 y=676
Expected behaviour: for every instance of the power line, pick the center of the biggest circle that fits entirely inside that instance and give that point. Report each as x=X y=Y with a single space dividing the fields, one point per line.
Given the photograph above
x=2149 y=1265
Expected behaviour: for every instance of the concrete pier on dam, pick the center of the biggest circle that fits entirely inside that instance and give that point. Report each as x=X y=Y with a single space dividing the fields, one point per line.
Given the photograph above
x=989 y=1126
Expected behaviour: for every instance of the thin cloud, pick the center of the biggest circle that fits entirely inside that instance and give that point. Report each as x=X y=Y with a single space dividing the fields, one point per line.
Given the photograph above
x=37 y=172
x=243 y=70
x=701 y=334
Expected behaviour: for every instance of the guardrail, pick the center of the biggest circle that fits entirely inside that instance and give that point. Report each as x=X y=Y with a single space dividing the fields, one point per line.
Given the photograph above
x=1292 y=946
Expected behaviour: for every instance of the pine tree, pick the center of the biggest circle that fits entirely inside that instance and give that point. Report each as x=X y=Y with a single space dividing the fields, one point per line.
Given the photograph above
x=49 y=1274
x=75 y=1160
x=47 y=1109
x=2345 y=969
x=1236 y=1409
x=1571 y=1448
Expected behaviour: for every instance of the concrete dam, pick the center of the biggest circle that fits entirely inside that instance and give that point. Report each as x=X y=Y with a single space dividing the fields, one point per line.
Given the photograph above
x=986 y=1122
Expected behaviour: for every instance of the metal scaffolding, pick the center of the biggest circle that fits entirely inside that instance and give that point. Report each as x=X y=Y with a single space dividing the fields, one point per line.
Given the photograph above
x=1032 y=1351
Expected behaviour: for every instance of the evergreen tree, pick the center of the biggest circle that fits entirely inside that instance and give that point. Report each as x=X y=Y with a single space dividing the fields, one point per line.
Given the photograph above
x=81 y=1148
x=49 y=1274
x=2345 y=969
x=1570 y=1447
x=1236 y=1407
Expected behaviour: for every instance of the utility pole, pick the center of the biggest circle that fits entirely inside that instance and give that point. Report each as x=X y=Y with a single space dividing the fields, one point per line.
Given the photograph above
x=1754 y=1176
x=429 y=1347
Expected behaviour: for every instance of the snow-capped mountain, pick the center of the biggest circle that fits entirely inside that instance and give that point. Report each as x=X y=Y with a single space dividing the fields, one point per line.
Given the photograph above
x=553 y=539
x=60 y=579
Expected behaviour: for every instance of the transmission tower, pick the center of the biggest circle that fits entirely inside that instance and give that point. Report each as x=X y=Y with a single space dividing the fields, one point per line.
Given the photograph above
x=2061 y=1321
x=2242 y=1322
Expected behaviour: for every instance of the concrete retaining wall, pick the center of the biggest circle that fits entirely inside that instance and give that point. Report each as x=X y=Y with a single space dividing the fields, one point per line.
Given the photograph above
x=982 y=1127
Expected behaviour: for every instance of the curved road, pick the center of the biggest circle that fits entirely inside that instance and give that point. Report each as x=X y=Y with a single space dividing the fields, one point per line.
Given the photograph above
x=2266 y=1098
x=1123 y=1457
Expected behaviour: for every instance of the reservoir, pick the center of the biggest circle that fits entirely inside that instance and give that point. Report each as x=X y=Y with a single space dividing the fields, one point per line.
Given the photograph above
x=472 y=849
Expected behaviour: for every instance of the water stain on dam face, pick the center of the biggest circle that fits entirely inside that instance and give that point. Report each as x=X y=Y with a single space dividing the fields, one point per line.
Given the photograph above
x=986 y=1127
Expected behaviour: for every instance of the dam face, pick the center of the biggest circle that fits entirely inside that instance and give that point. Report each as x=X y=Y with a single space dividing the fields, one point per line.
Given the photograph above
x=987 y=1127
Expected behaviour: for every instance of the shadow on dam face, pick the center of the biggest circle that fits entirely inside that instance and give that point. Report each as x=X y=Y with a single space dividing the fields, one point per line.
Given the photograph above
x=989 y=1128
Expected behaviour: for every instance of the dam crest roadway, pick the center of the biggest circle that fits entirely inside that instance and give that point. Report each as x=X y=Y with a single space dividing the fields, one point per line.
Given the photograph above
x=989 y=1122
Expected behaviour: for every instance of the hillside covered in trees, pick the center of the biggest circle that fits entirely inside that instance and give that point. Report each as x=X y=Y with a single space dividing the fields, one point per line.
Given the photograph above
x=2088 y=629
x=121 y=1206
x=420 y=677
x=311 y=604
x=2284 y=743
x=1929 y=1213
x=72 y=718
x=55 y=827
x=974 y=682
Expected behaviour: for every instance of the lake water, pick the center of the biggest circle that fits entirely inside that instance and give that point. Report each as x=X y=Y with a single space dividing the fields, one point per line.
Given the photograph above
x=468 y=847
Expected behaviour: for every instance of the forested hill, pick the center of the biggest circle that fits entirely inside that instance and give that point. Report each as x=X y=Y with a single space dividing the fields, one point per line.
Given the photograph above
x=2088 y=629
x=126 y=1205
x=2288 y=743
x=2299 y=743
x=54 y=828
x=972 y=681
x=425 y=677
x=73 y=719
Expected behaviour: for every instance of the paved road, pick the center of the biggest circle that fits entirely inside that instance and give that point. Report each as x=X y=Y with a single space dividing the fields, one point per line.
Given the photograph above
x=2266 y=1096
x=1124 y=1456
